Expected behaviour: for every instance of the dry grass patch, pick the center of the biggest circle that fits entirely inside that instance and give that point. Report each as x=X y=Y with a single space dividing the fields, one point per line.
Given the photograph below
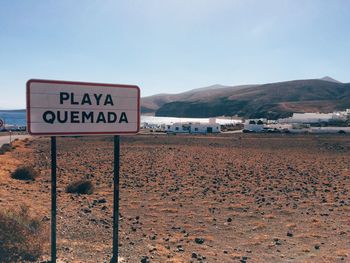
x=5 y=148
x=22 y=237
x=81 y=187
x=25 y=173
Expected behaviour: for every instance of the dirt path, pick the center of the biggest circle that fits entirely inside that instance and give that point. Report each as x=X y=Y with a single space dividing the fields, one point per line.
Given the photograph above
x=6 y=138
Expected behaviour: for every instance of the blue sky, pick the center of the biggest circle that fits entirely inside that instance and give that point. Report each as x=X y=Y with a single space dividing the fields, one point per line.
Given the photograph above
x=169 y=46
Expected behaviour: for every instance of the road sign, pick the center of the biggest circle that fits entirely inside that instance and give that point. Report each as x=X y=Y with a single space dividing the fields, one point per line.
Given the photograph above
x=78 y=108
x=1 y=123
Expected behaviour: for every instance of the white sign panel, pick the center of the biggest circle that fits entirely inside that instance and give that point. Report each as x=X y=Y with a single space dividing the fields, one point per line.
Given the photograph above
x=78 y=108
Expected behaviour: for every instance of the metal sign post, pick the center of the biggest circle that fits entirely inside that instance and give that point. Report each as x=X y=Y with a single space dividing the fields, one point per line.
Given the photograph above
x=116 y=198
x=53 y=200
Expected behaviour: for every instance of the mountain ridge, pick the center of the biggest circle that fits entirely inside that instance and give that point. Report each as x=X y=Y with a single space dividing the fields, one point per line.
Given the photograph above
x=271 y=100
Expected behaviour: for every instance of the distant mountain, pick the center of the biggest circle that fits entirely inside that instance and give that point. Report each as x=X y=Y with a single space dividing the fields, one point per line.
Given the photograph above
x=274 y=100
x=326 y=78
x=149 y=105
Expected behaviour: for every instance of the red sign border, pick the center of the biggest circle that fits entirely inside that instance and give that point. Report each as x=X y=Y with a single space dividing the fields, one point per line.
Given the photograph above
x=84 y=84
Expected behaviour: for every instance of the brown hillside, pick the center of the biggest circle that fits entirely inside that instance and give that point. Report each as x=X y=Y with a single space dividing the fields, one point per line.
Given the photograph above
x=149 y=105
x=269 y=100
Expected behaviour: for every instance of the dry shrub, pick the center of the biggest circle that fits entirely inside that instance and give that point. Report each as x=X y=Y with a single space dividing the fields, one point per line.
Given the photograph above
x=5 y=148
x=24 y=173
x=80 y=187
x=22 y=237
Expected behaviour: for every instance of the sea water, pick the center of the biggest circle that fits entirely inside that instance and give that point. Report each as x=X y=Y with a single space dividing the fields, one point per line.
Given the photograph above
x=16 y=117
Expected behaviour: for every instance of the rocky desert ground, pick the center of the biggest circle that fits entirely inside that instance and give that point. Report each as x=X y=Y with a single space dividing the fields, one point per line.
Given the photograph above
x=224 y=198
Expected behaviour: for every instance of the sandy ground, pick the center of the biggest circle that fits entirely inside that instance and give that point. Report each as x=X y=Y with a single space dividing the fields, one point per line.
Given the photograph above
x=233 y=198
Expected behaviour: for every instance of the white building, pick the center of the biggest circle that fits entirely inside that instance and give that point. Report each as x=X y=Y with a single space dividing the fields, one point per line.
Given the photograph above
x=255 y=125
x=315 y=117
x=194 y=127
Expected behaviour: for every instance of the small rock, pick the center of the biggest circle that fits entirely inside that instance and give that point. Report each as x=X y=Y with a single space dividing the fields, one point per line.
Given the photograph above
x=289 y=234
x=45 y=218
x=86 y=210
x=180 y=248
x=145 y=259
x=199 y=240
x=152 y=249
x=102 y=201
x=278 y=242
